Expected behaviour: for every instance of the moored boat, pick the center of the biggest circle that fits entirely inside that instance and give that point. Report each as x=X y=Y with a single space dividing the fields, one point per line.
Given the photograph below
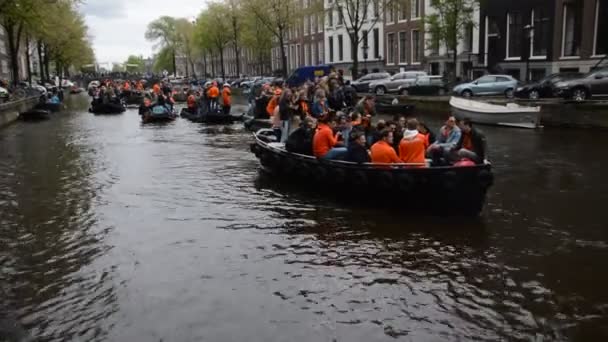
x=393 y=108
x=35 y=115
x=215 y=117
x=448 y=190
x=510 y=114
x=49 y=106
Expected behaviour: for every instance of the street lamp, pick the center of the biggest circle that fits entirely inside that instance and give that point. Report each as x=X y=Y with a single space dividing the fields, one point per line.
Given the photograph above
x=529 y=33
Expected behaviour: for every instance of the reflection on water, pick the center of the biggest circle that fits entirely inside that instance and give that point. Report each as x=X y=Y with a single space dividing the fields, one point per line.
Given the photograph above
x=113 y=230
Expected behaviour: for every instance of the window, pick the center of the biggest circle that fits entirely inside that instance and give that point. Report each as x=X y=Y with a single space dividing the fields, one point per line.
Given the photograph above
x=340 y=48
x=390 y=46
x=415 y=9
x=600 y=46
x=402 y=48
x=306 y=25
x=330 y=18
x=390 y=15
x=571 y=35
x=514 y=34
x=313 y=54
x=415 y=46
x=365 y=45
x=306 y=54
x=321 y=52
x=376 y=43
x=331 y=49
x=315 y=24
x=376 y=5
x=340 y=16
x=540 y=36
x=402 y=6
x=468 y=39
x=486 y=79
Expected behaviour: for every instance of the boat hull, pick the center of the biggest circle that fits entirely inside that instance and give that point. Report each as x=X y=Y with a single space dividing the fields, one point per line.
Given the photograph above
x=526 y=118
x=459 y=191
x=107 y=109
x=216 y=118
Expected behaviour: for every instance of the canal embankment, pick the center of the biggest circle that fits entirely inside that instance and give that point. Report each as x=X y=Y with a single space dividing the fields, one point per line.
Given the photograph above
x=9 y=111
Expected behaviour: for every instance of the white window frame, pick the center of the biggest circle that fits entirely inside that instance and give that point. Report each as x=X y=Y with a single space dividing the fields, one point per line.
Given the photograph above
x=507 y=57
x=532 y=38
x=313 y=55
x=597 y=13
x=419 y=10
x=399 y=48
x=564 y=15
x=404 y=4
x=321 y=49
x=412 y=47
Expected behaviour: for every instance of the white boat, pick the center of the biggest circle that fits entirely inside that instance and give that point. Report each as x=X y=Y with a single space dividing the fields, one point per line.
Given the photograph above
x=510 y=114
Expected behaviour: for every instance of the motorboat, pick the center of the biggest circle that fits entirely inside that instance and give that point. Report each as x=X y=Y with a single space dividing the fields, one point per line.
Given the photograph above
x=449 y=190
x=158 y=113
x=511 y=114
x=107 y=108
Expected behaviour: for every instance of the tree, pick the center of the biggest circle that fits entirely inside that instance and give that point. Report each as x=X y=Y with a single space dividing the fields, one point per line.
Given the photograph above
x=236 y=15
x=164 y=31
x=185 y=32
x=255 y=38
x=214 y=30
x=448 y=24
x=16 y=16
x=135 y=63
x=358 y=15
x=163 y=60
x=277 y=16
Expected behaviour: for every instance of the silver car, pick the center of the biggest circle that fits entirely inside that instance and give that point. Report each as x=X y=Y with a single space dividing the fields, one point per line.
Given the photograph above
x=391 y=85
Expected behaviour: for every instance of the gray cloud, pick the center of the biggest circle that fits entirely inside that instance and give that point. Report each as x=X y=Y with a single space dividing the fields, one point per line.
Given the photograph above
x=105 y=8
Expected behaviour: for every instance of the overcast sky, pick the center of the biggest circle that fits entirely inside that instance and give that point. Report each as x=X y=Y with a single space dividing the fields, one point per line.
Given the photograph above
x=118 y=26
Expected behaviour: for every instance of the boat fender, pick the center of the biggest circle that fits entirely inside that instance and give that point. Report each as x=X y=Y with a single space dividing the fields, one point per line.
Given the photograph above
x=384 y=180
x=319 y=174
x=450 y=180
x=486 y=178
x=359 y=178
x=338 y=175
x=405 y=182
x=288 y=166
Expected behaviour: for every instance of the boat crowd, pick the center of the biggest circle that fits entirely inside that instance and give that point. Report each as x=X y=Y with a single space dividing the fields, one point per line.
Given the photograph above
x=324 y=119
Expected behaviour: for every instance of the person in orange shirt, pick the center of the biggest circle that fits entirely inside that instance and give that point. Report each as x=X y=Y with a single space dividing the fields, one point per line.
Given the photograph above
x=383 y=151
x=213 y=93
x=411 y=147
x=324 y=143
x=191 y=103
x=226 y=98
x=127 y=86
x=274 y=102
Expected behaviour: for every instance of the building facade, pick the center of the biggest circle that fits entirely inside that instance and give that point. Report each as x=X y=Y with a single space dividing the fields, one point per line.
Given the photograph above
x=338 y=38
x=530 y=39
x=440 y=61
x=404 y=34
x=5 y=72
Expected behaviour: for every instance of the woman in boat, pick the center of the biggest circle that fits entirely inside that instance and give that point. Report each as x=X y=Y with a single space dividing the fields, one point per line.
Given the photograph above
x=325 y=143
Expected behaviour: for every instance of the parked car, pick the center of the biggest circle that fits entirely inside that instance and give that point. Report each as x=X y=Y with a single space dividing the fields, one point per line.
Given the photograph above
x=361 y=85
x=391 y=85
x=593 y=84
x=4 y=95
x=488 y=85
x=425 y=85
x=546 y=86
x=249 y=82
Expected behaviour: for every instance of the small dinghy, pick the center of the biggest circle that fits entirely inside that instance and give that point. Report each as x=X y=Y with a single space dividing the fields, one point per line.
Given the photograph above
x=157 y=114
x=393 y=107
x=447 y=190
x=511 y=114
x=216 y=117
x=35 y=115
x=107 y=108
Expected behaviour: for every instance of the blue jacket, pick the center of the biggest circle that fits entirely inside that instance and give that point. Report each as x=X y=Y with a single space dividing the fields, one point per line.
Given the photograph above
x=451 y=140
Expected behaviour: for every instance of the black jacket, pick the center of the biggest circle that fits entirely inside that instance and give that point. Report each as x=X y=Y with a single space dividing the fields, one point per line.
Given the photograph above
x=357 y=153
x=300 y=141
x=478 y=139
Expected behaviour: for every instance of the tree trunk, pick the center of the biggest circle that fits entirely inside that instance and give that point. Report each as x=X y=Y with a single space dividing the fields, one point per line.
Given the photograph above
x=205 y=65
x=283 y=55
x=47 y=63
x=40 y=61
x=236 y=46
x=222 y=64
x=27 y=60
x=355 y=50
x=186 y=65
x=14 y=37
x=212 y=65
x=174 y=65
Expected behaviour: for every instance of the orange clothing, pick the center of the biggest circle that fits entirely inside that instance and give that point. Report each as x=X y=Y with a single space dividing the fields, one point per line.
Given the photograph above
x=304 y=106
x=127 y=86
x=213 y=92
x=412 y=151
x=191 y=101
x=384 y=153
x=466 y=141
x=272 y=104
x=226 y=96
x=323 y=141
x=424 y=138
x=156 y=89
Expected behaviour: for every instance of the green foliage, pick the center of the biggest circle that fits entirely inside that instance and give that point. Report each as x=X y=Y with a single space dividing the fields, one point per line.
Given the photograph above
x=135 y=64
x=164 y=60
x=448 y=25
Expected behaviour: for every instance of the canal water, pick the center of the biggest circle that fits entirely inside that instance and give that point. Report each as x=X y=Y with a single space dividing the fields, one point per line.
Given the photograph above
x=114 y=231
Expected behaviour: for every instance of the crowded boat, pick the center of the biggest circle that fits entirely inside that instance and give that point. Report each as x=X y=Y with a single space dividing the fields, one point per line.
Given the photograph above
x=319 y=134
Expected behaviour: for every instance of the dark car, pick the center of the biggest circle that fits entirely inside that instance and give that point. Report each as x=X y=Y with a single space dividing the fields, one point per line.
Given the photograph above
x=546 y=86
x=425 y=85
x=592 y=84
x=362 y=84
